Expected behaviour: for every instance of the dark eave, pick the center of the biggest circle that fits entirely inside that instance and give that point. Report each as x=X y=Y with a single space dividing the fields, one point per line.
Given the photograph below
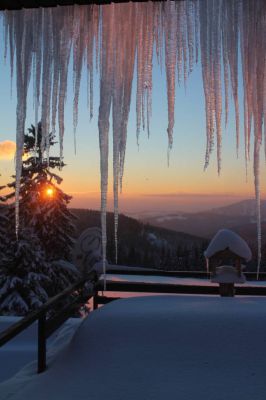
x=19 y=4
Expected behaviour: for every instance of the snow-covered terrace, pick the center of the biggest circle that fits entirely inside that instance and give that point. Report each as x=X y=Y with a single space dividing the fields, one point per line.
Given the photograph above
x=146 y=346
x=158 y=347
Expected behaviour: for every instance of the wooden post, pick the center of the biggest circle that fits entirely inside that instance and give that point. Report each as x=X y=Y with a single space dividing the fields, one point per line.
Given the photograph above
x=95 y=302
x=238 y=266
x=227 y=289
x=42 y=343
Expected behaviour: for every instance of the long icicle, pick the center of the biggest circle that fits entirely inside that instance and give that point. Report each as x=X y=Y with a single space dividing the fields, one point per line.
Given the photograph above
x=106 y=85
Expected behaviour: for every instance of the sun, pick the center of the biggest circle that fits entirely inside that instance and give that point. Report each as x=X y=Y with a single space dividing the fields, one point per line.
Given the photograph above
x=49 y=192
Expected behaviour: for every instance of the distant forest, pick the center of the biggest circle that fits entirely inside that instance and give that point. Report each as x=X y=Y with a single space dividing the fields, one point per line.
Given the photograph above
x=144 y=245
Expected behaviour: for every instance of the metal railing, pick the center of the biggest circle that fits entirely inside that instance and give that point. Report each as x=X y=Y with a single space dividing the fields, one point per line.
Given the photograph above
x=46 y=326
x=167 y=288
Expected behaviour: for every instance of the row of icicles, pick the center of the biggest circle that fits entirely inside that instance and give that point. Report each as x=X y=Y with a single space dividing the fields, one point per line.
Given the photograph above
x=118 y=38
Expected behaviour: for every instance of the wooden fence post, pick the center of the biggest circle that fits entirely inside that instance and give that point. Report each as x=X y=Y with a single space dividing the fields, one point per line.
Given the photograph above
x=42 y=343
x=95 y=301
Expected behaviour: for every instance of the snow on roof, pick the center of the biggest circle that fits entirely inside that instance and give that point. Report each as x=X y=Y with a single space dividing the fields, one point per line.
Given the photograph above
x=225 y=238
x=159 y=347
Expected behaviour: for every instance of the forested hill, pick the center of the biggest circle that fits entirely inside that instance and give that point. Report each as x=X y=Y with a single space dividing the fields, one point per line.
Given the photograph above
x=146 y=245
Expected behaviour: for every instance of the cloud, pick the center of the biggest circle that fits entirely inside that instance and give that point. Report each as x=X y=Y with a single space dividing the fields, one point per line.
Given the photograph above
x=7 y=150
x=182 y=194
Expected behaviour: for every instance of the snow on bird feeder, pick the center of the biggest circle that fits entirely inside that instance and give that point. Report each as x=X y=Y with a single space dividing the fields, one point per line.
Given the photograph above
x=227 y=247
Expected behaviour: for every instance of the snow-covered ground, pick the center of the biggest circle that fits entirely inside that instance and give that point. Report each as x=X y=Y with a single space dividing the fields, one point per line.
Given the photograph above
x=22 y=349
x=158 y=347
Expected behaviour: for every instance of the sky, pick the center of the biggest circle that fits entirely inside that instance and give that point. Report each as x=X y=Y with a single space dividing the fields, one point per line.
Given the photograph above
x=149 y=184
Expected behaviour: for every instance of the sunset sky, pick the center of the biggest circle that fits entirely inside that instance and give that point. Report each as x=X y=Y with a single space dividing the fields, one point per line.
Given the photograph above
x=149 y=184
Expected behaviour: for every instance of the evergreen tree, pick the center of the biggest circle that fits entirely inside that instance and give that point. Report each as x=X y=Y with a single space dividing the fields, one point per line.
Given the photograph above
x=25 y=275
x=57 y=230
x=43 y=206
x=30 y=267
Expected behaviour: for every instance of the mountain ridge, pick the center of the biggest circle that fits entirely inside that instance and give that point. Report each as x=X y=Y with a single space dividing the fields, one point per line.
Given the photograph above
x=207 y=223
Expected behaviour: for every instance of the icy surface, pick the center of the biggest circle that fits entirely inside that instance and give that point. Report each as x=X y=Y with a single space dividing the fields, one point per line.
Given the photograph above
x=159 y=347
x=226 y=238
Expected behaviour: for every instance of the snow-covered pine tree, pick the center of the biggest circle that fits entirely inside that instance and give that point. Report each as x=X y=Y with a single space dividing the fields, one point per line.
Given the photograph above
x=57 y=230
x=43 y=205
x=34 y=267
x=25 y=275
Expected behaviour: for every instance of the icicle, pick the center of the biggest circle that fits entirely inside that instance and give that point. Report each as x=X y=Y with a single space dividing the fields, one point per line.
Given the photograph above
x=196 y=23
x=106 y=85
x=179 y=44
x=225 y=65
x=170 y=65
x=117 y=112
x=190 y=33
x=205 y=77
x=65 y=44
x=257 y=192
x=46 y=78
x=130 y=52
x=37 y=73
x=112 y=36
x=139 y=95
x=148 y=64
x=23 y=40
x=78 y=50
x=90 y=47
x=10 y=27
x=264 y=102
x=5 y=38
x=217 y=81
x=232 y=34
x=158 y=32
x=207 y=265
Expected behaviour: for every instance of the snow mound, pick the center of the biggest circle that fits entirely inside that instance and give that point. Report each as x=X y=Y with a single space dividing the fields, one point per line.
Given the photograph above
x=160 y=347
x=226 y=238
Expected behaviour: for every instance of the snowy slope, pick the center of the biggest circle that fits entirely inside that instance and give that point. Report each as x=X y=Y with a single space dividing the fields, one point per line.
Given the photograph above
x=154 y=348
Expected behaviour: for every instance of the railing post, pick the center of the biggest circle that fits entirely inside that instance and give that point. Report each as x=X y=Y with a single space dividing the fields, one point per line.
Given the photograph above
x=95 y=301
x=42 y=343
